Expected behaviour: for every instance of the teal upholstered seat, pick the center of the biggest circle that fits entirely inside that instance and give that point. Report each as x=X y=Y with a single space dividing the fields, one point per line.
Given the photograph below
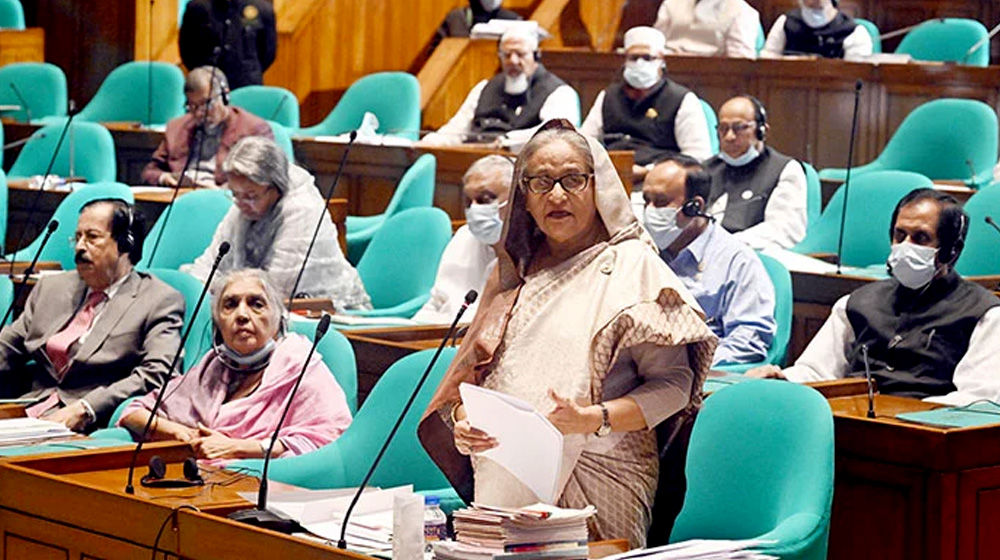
x=338 y=355
x=393 y=97
x=6 y=296
x=3 y=208
x=982 y=245
x=124 y=95
x=760 y=466
x=283 y=138
x=761 y=38
x=941 y=139
x=947 y=40
x=199 y=341
x=42 y=85
x=270 y=103
x=873 y=32
x=189 y=230
x=713 y=121
x=91 y=146
x=873 y=196
x=11 y=14
x=814 y=196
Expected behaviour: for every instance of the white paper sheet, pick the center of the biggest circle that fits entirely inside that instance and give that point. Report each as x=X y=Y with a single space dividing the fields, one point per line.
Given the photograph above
x=698 y=550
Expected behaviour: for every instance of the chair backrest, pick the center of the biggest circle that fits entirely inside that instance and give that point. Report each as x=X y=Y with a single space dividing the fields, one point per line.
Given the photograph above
x=415 y=188
x=713 y=121
x=189 y=230
x=124 y=94
x=873 y=32
x=402 y=258
x=982 y=244
x=90 y=144
x=338 y=355
x=3 y=208
x=42 y=85
x=814 y=196
x=947 y=40
x=761 y=452
x=270 y=103
x=761 y=37
x=11 y=14
x=945 y=139
x=394 y=97
x=283 y=139
x=6 y=296
x=782 y=281
x=58 y=248
x=199 y=341
x=872 y=198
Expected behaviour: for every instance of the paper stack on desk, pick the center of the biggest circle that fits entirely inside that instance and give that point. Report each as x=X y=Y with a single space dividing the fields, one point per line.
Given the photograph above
x=18 y=431
x=698 y=549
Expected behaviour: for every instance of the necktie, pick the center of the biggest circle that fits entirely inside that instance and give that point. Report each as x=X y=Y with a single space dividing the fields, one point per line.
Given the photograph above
x=59 y=344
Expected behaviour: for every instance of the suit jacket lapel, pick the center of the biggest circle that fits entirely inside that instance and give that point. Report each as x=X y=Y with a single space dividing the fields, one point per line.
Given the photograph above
x=109 y=317
x=69 y=301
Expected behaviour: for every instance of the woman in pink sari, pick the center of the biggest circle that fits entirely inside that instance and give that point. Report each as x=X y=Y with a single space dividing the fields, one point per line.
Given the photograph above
x=228 y=405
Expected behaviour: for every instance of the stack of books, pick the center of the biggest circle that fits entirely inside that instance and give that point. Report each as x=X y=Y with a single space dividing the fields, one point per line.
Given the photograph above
x=537 y=531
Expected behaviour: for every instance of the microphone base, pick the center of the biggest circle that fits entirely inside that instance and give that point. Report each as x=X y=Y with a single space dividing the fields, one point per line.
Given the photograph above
x=266 y=520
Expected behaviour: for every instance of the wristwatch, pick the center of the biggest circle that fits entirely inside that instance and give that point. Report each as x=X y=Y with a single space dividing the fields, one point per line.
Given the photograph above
x=605 y=428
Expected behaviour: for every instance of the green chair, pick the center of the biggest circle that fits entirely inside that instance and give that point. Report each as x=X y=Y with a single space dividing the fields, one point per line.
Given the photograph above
x=760 y=466
x=91 y=145
x=761 y=37
x=3 y=206
x=124 y=95
x=189 y=231
x=982 y=244
x=11 y=14
x=338 y=355
x=415 y=190
x=270 y=103
x=713 y=122
x=873 y=196
x=394 y=97
x=42 y=85
x=399 y=266
x=199 y=341
x=58 y=248
x=947 y=40
x=283 y=139
x=941 y=139
x=873 y=32
x=6 y=295
x=814 y=196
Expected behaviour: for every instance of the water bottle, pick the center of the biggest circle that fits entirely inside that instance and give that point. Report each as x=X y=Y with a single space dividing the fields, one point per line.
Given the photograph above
x=435 y=521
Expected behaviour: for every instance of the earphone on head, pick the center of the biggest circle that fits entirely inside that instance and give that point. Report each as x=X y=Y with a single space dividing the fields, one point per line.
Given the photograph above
x=693 y=209
x=956 y=248
x=759 y=116
x=156 y=477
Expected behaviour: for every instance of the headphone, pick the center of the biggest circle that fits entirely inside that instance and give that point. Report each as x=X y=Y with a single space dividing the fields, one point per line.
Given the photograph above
x=759 y=115
x=127 y=242
x=156 y=477
x=956 y=248
x=693 y=209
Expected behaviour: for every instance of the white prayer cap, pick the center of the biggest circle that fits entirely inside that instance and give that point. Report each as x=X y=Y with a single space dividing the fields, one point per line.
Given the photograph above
x=527 y=34
x=647 y=36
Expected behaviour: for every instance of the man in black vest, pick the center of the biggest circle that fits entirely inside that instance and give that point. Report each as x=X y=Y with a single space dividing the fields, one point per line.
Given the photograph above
x=758 y=194
x=506 y=110
x=647 y=112
x=243 y=31
x=817 y=27
x=927 y=333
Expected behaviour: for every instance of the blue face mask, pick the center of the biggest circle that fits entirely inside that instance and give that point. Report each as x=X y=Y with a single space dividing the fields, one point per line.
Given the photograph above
x=751 y=154
x=661 y=223
x=484 y=222
x=815 y=17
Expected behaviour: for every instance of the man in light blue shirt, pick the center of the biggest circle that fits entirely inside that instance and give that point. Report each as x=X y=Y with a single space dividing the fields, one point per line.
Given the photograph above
x=724 y=275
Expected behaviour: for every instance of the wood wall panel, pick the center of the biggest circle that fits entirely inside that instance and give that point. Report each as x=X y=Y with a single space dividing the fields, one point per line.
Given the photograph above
x=156 y=38
x=27 y=45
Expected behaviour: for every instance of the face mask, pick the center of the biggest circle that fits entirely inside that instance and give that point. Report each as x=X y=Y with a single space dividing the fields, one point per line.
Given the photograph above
x=661 y=223
x=815 y=17
x=248 y=363
x=913 y=265
x=490 y=5
x=642 y=74
x=516 y=85
x=748 y=156
x=484 y=222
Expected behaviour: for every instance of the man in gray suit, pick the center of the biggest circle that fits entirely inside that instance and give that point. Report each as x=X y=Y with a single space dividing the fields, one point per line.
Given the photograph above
x=96 y=335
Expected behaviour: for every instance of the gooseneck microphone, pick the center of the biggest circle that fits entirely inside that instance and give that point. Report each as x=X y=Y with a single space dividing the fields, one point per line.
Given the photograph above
x=23 y=141
x=281 y=103
x=223 y=249
x=259 y=516
x=24 y=102
x=990 y=221
x=847 y=179
x=985 y=40
x=29 y=271
x=322 y=214
x=869 y=381
x=470 y=298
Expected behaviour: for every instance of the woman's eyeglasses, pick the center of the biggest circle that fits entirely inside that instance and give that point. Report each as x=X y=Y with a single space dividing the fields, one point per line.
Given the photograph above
x=570 y=182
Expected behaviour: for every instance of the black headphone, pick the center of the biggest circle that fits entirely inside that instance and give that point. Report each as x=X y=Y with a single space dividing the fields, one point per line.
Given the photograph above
x=127 y=242
x=156 y=477
x=759 y=115
x=693 y=209
x=956 y=248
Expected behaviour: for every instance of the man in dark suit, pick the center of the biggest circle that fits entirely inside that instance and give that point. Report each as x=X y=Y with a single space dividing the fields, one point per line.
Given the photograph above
x=96 y=335
x=244 y=31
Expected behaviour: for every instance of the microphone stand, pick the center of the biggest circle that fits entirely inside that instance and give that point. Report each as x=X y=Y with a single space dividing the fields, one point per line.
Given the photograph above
x=869 y=381
x=847 y=180
x=989 y=220
x=24 y=102
x=29 y=271
x=129 y=488
x=149 y=69
x=985 y=40
x=259 y=516
x=469 y=299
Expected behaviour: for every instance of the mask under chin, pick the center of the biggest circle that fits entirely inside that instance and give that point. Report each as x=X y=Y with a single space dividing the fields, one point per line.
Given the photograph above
x=244 y=363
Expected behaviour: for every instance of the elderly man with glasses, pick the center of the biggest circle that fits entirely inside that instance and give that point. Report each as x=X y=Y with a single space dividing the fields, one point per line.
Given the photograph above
x=204 y=134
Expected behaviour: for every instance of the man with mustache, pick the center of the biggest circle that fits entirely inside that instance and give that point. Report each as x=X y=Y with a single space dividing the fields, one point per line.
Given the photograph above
x=90 y=338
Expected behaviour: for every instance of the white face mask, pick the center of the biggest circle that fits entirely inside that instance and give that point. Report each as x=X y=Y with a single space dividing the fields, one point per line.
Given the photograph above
x=490 y=5
x=815 y=17
x=913 y=265
x=516 y=85
x=484 y=222
x=642 y=74
x=751 y=154
x=661 y=223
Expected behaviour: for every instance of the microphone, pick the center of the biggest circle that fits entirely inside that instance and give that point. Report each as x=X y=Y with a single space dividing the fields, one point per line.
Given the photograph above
x=614 y=137
x=28 y=271
x=847 y=179
x=259 y=516
x=972 y=171
x=470 y=297
x=23 y=141
x=223 y=249
x=989 y=220
x=319 y=222
x=989 y=36
x=869 y=381
x=905 y=30
x=24 y=102
x=281 y=103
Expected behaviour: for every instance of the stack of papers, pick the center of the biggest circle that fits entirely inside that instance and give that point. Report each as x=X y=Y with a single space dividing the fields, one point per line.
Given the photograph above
x=17 y=431
x=536 y=531
x=699 y=550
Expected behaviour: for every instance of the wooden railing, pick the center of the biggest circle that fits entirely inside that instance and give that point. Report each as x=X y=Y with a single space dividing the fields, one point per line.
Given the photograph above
x=164 y=31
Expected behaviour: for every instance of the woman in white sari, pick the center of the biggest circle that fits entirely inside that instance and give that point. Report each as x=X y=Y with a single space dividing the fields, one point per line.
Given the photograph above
x=582 y=319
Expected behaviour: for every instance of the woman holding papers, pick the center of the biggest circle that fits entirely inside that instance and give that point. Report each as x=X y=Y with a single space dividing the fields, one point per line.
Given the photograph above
x=584 y=321
x=229 y=404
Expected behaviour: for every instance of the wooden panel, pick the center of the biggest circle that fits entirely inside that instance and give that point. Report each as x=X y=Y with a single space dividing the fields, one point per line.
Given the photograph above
x=26 y=45
x=17 y=547
x=602 y=18
x=156 y=31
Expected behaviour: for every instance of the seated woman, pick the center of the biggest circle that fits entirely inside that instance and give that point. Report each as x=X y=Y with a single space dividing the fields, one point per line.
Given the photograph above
x=271 y=223
x=228 y=405
x=582 y=319
x=817 y=27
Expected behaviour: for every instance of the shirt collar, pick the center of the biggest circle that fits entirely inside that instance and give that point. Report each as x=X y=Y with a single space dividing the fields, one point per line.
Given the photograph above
x=697 y=247
x=112 y=289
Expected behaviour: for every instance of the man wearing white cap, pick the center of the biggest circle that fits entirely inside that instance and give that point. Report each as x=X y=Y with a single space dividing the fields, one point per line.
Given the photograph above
x=509 y=107
x=648 y=112
x=710 y=27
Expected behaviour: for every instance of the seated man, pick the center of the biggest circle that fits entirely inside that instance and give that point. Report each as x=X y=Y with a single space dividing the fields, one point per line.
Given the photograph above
x=758 y=193
x=205 y=134
x=709 y=27
x=927 y=333
x=471 y=254
x=459 y=22
x=648 y=112
x=273 y=218
x=724 y=275
x=509 y=107
x=97 y=335
x=817 y=27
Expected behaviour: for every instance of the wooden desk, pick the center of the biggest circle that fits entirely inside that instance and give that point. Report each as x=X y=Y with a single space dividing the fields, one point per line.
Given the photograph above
x=26 y=45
